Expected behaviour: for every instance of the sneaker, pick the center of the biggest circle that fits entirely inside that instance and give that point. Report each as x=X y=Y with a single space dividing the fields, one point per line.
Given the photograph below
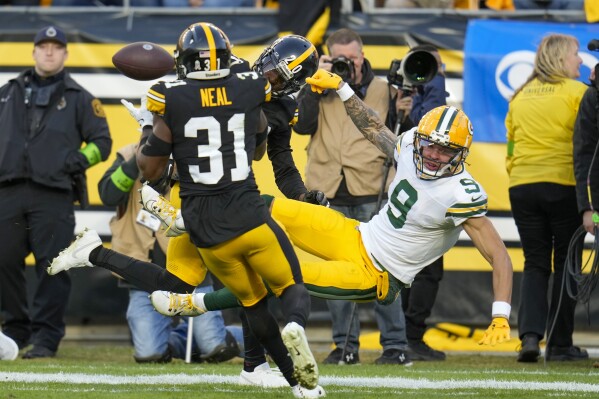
x=304 y=364
x=39 y=352
x=395 y=356
x=566 y=353
x=9 y=350
x=157 y=205
x=419 y=350
x=302 y=392
x=263 y=376
x=530 y=350
x=76 y=254
x=335 y=357
x=173 y=304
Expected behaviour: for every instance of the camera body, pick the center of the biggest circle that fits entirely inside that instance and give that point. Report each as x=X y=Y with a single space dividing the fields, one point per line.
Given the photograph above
x=344 y=67
x=417 y=68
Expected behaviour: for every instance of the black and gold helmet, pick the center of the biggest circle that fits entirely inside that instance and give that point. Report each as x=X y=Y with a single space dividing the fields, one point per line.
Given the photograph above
x=203 y=52
x=287 y=63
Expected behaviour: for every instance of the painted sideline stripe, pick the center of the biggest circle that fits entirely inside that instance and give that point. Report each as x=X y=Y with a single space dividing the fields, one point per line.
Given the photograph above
x=376 y=382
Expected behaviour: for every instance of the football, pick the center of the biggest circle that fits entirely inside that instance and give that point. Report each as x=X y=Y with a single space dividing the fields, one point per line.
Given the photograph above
x=143 y=61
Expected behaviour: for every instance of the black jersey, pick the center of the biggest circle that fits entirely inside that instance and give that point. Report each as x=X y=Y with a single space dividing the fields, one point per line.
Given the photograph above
x=214 y=124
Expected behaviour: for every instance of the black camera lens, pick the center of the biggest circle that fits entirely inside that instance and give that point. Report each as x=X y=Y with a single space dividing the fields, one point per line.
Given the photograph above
x=343 y=67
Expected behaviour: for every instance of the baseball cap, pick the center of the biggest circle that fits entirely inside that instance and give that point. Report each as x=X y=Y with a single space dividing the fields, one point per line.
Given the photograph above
x=50 y=33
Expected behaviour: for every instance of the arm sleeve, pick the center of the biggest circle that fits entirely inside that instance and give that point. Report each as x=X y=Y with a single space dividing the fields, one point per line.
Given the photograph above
x=287 y=177
x=308 y=109
x=586 y=138
x=110 y=194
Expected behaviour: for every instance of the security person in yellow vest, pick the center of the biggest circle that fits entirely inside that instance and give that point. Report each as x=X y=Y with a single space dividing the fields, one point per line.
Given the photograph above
x=135 y=233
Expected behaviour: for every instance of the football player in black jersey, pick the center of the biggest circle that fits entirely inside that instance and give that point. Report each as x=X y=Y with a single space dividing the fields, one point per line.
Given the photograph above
x=209 y=122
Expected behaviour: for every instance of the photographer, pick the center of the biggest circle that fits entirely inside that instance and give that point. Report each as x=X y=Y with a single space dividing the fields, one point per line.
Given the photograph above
x=349 y=169
x=586 y=165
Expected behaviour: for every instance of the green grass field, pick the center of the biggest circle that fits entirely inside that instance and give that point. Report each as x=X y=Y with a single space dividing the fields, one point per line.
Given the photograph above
x=108 y=371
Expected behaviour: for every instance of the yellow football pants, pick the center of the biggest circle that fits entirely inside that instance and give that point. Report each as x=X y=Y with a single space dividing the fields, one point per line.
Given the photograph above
x=346 y=272
x=242 y=264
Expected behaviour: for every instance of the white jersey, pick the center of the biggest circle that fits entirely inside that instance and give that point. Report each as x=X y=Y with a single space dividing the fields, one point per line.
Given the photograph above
x=422 y=218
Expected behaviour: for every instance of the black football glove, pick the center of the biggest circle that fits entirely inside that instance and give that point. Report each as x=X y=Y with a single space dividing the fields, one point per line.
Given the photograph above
x=316 y=197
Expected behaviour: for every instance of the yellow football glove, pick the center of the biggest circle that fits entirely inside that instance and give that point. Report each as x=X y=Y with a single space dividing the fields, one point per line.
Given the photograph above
x=323 y=80
x=498 y=332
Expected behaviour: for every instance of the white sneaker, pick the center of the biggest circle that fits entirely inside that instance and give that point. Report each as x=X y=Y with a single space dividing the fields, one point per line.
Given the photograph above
x=263 y=376
x=173 y=304
x=304 y=364
x=76 y=254
x=157 y=205
x=9 y=350
x=302 y=392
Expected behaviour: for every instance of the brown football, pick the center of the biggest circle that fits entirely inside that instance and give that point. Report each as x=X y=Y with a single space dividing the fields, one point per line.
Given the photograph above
x=143 y=61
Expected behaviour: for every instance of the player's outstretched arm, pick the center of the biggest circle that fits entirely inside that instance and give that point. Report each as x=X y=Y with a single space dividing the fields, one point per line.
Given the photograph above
x=364 y=117
x=489 y=243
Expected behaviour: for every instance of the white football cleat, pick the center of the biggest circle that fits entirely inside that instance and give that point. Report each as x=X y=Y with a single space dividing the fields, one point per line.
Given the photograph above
x=157 y=205
x=9 y=350
x=304 y=364
x=263 y=376
x=302 y=392
x=173 y=304
x=76 y=254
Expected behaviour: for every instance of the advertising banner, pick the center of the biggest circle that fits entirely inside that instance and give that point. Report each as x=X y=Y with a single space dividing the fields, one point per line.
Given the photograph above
x=499 y=57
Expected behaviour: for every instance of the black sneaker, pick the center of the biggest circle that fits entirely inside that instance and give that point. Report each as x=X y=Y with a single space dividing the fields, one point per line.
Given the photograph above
x=335 y=357
x=419 y=350
x=530 y=350
x=38 y=352
x=566 y=353
x=223 y=352
x=395 y=356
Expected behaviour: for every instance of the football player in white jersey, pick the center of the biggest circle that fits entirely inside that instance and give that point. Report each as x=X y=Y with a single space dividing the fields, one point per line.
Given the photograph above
x=431 y=200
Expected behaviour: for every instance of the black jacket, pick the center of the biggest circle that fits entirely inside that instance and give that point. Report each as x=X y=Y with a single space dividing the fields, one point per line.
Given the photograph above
x=48 y=153
x=586 y=138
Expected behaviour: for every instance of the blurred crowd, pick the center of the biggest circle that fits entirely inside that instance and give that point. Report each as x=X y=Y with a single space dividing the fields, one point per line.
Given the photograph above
x=357 y=4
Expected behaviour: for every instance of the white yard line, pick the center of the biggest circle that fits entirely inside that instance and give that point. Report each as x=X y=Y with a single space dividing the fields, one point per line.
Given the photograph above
x=378 y=382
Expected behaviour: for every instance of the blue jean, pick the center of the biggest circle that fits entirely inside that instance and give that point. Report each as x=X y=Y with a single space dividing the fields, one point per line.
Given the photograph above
x=153 y=333
x=390 y=319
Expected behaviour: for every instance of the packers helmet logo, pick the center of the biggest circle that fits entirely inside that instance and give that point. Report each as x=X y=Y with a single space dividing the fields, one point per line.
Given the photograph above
x=98 y=109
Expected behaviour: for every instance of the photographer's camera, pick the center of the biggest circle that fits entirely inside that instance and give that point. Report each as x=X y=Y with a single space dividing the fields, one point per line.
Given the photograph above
x=417 y=68
x=344 y=67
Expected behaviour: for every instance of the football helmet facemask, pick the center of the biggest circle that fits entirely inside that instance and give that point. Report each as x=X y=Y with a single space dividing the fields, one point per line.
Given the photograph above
x=291 y=59
x=449 y=128
x=203 y=52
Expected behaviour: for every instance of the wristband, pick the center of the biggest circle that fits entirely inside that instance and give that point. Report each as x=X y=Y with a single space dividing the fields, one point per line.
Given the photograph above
x=501 y=309
x=121 y=181
x=345 y=92
x=92 y=153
